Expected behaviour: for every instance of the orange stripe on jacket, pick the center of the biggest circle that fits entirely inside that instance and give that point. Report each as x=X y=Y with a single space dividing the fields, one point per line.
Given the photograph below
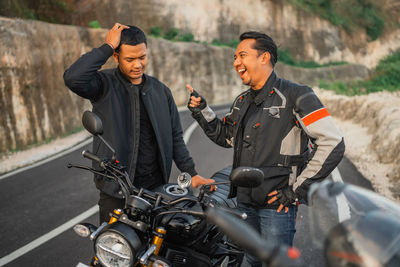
x=315 y=116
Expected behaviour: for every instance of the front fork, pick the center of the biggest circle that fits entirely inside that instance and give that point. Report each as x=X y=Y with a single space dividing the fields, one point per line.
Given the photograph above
x=154 y=249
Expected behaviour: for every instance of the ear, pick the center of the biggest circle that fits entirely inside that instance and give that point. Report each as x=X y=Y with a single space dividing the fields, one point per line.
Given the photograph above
x=266 y=58
x=116 y=57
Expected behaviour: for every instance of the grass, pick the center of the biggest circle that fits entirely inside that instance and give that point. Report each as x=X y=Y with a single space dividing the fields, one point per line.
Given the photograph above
x=351 y=15
x=155 y=32
x=232 y=43
x=173 y=35
x=386 y=77
x=53 y=11
x=284 y=56
x=94 y=24
x=45 y=141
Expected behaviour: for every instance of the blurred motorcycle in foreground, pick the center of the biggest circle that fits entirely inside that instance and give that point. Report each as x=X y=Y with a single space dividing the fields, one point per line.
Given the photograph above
x=352 y=226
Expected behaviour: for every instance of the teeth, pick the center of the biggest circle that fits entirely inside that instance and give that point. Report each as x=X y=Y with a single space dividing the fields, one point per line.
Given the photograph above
x=242 y=70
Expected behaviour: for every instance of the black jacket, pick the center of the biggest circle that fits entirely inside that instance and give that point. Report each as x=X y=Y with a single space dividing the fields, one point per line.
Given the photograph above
x=276 y=137
x=116 y=101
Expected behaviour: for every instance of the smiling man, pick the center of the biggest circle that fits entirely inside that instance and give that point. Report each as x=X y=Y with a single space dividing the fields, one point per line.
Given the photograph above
x=271 y=126
x=139 y=115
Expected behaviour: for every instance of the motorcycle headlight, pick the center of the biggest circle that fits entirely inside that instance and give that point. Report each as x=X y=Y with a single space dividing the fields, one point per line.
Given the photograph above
x=113 y=250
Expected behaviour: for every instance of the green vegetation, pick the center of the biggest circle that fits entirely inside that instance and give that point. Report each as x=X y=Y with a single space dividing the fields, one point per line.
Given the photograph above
x=386 y=76
x=350 y=14
x=284 y=56
x=172 y=35
x=232 y=43
x=54 y=11
x=73 y=131
x=94 y=24
x=155 y=31
x=188 y=37
x=45 y=141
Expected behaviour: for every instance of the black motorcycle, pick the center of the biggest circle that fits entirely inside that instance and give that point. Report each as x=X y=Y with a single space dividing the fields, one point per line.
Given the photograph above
x=167 y=226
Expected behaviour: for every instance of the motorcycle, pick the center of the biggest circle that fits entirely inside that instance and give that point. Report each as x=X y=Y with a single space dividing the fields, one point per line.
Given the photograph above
x=352 y=227
x=166 y=226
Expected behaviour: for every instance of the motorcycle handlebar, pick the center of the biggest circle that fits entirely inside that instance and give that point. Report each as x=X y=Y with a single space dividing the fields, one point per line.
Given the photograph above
x=91 y=156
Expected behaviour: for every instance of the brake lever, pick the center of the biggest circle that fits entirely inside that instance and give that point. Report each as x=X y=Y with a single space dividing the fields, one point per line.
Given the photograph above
x=79 y=167
x=89 y=169
x=206 y=188
x=105 y=166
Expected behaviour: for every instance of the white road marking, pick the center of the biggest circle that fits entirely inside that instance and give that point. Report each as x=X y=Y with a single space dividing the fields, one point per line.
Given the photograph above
x=343 y=207
x=189 y=131
x=44 y=238
x=41 y=162
x=80 y=264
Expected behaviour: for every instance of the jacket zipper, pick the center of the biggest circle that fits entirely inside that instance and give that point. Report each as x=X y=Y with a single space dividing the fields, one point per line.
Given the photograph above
x=135 y=113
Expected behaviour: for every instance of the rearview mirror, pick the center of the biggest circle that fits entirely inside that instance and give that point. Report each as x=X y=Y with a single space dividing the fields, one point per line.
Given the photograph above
x=247 y=177
x=92 y=123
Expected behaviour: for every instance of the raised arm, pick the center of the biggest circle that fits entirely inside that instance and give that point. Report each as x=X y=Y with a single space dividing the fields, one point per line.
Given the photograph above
x=82 y=77
x=220 y=132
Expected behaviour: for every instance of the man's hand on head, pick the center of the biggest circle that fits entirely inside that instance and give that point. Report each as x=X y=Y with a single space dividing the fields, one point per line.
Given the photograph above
x=196 y=102
x=197 y=181
x=114 y=35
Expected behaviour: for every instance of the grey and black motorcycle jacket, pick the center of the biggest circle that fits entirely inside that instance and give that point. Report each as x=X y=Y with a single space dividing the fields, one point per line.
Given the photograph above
x=116 y=101
x=276 y=138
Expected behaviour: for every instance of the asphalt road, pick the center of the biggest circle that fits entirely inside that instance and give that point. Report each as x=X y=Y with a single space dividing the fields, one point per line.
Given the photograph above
x=37 y=201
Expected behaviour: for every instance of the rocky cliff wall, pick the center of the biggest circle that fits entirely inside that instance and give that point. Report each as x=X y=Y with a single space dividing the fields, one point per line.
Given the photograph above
x=35 y=104
x=306 y=36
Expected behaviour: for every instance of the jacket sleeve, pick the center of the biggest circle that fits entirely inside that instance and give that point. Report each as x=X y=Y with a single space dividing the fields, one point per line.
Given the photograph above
x=219 y=131
x=181 y=155
x=83 y=77
x=329 y=148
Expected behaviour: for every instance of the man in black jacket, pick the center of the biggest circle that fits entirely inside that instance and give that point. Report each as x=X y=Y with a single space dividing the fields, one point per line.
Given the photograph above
x=138 y=112
x=271 y=126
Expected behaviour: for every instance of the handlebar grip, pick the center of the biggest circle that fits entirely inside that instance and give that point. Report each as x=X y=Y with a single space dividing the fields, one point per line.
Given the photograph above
x=91 y=156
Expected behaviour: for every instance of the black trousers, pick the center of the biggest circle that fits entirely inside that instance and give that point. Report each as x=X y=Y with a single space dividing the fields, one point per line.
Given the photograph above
x=107 y=204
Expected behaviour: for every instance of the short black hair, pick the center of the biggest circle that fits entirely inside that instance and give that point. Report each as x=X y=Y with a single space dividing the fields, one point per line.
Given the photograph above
x=132 y=36
x=263 y=43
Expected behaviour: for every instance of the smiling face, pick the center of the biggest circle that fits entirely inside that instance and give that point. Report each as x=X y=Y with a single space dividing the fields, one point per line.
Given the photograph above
x=132 y=60
x=253 y=69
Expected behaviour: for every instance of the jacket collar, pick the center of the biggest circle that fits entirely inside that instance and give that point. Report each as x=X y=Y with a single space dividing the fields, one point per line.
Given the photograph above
x=127 y=82
x=267 y=88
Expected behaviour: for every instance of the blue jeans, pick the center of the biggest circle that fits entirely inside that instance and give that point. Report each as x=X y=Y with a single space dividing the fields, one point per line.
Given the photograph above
x=276 y=228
